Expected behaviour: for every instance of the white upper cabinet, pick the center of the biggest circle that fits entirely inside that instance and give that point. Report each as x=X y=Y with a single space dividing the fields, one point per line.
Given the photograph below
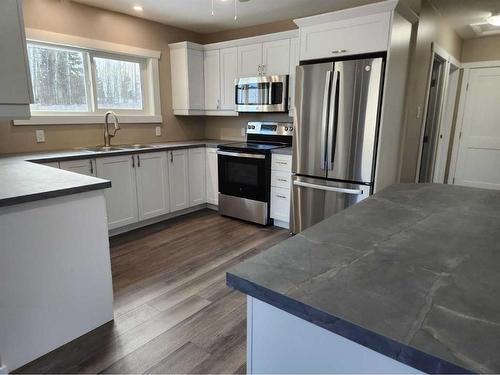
x=121 y=198
x=82 y=166
x=250 y=60
x=178 y=179
x=15 y=81
x=197 y=182
x=186 y=64
x=329 y=35
x=228 y=75
x=276 y=57
x=152 y=184
x=212 y=175
x=212 y=80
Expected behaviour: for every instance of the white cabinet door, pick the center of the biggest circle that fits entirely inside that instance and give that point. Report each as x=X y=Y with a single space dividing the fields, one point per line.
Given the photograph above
x=121 y=198
x=152 y=184
x=53 y=164
x=212 y=80
x=276 y=57
x=195 y=76
x=249 y=60
x=294 y=62
x=178 y=179
x=15 y=82
x=82 y=166
x=212 y=176
x=197 y=181
x=280 y=204
x=228 y=75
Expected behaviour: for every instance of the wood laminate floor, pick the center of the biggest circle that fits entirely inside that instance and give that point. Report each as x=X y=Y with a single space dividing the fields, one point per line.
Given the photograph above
x=173 y=311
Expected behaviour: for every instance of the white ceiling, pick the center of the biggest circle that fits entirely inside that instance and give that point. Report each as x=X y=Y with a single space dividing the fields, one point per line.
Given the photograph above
x=195 y=15
x=460 y=14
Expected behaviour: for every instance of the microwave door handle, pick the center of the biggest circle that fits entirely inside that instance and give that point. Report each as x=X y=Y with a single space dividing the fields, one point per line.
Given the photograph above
x=329 y=188
x=333 y=120
x=270 y=97
x=324 y=118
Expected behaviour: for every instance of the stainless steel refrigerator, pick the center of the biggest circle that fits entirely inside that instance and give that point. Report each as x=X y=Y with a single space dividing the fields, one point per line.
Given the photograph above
x=337 y=107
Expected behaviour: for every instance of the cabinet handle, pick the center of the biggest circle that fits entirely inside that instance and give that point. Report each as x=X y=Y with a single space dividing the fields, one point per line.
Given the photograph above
x=259 y=69
x=282 y=162
x=281 y=196
x=91 y=167
x=133 y=161
x=171 y=157
x=218 y=103
x=282 y=180
x=263 y=69
x=339 y=51
x=139 y=161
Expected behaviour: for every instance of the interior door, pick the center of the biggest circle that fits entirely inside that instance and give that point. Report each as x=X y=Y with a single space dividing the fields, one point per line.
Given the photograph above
x=353 y=119
x=478 y=161
x=312 y=95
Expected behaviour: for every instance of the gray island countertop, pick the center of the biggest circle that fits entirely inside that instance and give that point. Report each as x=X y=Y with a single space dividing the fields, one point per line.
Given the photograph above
x=412 y=272
x=23 y=180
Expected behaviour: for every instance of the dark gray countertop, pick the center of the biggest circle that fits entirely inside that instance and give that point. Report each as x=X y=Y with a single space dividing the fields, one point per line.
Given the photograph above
x=282 y=151
x=23 y=180
x=412 y=272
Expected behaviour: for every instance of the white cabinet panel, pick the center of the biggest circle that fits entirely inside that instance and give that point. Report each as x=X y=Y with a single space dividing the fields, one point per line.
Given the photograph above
x=15 y=82
x=365 y=34
x=276 y=57
x=53 y=164
x=212 y=171
x=228 y=75
x=121 y=198
x=152 y=184
x=197 y=180
x=280 y=204
x=281 y=162
x=212 y=80
x=281 y=179
x=83 y=166
x=294 y=62
x=178 y=179
x=249 y=60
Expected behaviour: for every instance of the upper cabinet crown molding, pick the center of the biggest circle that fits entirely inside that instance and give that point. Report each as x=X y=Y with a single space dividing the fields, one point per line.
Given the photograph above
x=253 y=40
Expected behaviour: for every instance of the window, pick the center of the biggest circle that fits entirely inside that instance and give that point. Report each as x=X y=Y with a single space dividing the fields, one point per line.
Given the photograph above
x=77 y=84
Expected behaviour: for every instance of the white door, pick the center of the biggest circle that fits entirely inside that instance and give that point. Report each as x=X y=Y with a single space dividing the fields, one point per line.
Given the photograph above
x=276 y=57
x=178 y=179
x=212 y=177
x=249 y=60
x=152 y=184
x=294 y=61
x=228 y=75
x=478 y=162
x=212 y=80
x=197 y=181
x=121 y=198
x=82 y=166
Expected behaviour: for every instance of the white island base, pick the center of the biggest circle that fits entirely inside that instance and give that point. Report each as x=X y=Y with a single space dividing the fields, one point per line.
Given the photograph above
x=281 y=343
x=55 y=274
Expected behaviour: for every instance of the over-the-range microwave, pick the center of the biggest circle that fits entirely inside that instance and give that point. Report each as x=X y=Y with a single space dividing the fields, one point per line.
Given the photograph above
x=262 y=94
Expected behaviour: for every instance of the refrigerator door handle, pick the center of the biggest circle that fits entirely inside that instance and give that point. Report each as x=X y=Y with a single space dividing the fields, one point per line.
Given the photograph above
x=332 y=121
x=324 y=119
x=328 y=188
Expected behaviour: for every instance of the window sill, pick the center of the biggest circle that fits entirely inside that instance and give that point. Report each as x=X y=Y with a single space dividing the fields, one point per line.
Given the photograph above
x=87 y=119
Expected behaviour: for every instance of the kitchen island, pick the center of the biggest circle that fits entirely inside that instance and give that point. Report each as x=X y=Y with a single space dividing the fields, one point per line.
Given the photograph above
x=406 y=281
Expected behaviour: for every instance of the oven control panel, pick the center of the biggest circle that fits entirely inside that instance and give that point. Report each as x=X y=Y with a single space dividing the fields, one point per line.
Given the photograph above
x=270 y=128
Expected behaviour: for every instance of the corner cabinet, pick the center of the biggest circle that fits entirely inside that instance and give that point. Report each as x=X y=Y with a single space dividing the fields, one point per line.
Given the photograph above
x=81 y=166
x=15 y=80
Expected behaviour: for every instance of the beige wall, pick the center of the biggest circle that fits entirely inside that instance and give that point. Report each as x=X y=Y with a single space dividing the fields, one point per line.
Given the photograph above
x=72 y=18
x=431 y=28
x=481 y=49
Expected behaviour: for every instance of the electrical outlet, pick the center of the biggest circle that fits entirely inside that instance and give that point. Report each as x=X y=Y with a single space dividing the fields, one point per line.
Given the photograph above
x=40 y=136
x=158 y=131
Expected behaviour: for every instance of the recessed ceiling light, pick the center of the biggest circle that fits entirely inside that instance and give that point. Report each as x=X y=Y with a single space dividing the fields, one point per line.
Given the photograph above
x=138 y=8
x=494 y=20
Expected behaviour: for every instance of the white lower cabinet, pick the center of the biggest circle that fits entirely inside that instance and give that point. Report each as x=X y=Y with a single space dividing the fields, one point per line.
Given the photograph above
x=179 y=179
x=152 y=184
x=281 y=172
x=121 y=198
x=82 y=166
x=197 y=183
x=212 y=171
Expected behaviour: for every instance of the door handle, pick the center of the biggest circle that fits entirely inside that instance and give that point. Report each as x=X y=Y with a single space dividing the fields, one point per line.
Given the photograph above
x=332 y=121
x=324 y=119
x=328 y=188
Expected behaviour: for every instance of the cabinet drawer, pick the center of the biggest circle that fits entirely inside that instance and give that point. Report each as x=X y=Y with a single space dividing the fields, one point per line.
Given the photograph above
x=281 y=179
x=346 y=37
x=281 y=163
x=280 y=204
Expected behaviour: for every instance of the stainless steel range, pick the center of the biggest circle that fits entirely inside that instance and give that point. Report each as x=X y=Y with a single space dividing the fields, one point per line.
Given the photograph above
x=245 y=171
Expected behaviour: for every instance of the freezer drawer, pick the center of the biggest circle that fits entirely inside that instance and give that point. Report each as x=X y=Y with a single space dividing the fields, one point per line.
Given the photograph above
x=314 y=200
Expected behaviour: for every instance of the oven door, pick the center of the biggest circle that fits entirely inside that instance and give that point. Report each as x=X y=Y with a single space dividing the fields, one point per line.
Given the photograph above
x=262 y=94
x=244 y=175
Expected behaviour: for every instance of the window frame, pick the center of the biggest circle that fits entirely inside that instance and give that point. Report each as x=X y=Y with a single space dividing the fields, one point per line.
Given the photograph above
x=149 y=70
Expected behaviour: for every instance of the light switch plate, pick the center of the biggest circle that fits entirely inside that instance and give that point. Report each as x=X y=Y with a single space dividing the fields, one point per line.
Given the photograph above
x=40 y=136
x=158 y=131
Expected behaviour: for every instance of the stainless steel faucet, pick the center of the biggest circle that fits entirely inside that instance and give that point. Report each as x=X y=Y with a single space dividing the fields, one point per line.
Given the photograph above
x=107 y=134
